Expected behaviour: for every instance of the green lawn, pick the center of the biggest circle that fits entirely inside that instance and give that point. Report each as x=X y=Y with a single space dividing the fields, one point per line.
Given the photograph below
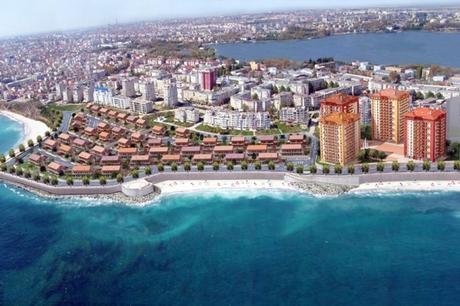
x=210 y=129
x=287 y=129
x=66 y=107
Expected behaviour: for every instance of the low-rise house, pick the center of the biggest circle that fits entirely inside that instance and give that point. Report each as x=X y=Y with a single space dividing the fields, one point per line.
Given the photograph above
x=90 y=131
x=118 y=131
x=137 y=137
x=103 y=127
x=158 y=130
x=124 y=143
x=235 y=157
x=257 y=149
x=170 y=158
x=238 y=142
x=112 y=114
x=99 y=151
x=142 y=123
x=85 y=157
x=65 y=138
x=103 y=111
x=50 y=144
x=56 y=168
x=208 y=144
x=37 y=159
x=110 y=160
x=127 y=152
x=297 y=139
x=182 y=132
x=158 y=152
x=291 y=149
x=131 y=119
x=268 y=140
x=95 y=108
x=223 y=150
x=81 y=170
x=122 y=116
x=204 y=158
x=268 y=156
x=109 y=170
x=140 y=160
x=105 y=136
x=189 y=151
x=80 y=144
x=64 y=150
x=154 y=142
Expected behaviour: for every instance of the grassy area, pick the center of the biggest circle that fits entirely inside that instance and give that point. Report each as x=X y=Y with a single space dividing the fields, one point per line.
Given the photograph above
x=216 y=130
x=288 y=129
x=27 y=166
x=273 y=131
x=65 y=107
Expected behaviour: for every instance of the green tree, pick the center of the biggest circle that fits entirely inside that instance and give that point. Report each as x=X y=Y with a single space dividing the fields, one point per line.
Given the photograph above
x=457 y=165
x=160 y=167
x=174 y=166
x=395 y=166
x=36 y=176
x=11 y=153
x=337 y=169
x=290 y=166
x=271 y=165
x=257 y=165
x=69 y=180
x=12 y=170
x=30 y=143
x=46 y=179
x=215 y=166
x=326 y=169
x=148 y=170
x=102 y=181
x=85 y=181
x=299 y=169
x=380 y=167
x=410 y=165
x=19 y=171
x=120 y=178
x=135 y=173
x=54 y=180
x=187 y=166
x=313 y=169
x=229 y=165
x=426 y=165
x=27 y=174
x=200 y=166
x=351 y=169
x=2 y=158
x=244 y=165
x=39 y=139
x=441 y=165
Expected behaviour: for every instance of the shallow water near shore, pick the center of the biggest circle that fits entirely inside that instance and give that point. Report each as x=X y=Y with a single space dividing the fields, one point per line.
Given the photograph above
x=11 y=132
x=256 y=248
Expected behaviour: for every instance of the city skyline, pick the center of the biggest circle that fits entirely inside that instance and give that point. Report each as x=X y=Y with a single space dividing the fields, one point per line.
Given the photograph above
x=23 y=17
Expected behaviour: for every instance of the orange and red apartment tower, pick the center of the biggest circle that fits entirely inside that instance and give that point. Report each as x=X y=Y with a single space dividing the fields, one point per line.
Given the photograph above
x=388 y=108
x=339 y=103
x=425 y=134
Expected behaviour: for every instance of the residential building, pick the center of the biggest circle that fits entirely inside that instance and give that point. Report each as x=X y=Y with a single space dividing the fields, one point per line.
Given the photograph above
x=208 y=78
x=425 y=134
x=294 y=115
x=147 y=90
x=388 y=108
x=226 y=119
x=170 y=94
x=339 y=103
x=365 y=110
x=141 y=106
x=340 y=137
x=187 y=114
x=128 y=90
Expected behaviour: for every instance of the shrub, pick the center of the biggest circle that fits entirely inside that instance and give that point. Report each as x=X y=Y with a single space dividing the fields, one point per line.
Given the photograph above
x=120 y=178
x=326 y=169
x=313 y=169
x=54 y=181
x=21 y=148
x=351 y=169
x=229 y=165
x=69 y=180
x=410 y=165
x=290 y=166
x=215 y=166
x=441 y=165
x=85 y=181
x=30 y=143
x=174 y=166
x=187 y=166
x=135 y=174
x=148 y=170
x=102 y=180
x=244 y=165
x=426 y=165
x=299 y=169
x=200 y=166
x=160 y=167
x=365 y=168
x=380 y=167
x=271 y=165
x=338 y=169
x=457 y=165
x=2 y=158
x=257 y=165
x=395 y=166
x=11 y=153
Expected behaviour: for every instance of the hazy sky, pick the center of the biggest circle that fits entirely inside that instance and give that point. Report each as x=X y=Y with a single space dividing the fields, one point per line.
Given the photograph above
x=30 y=16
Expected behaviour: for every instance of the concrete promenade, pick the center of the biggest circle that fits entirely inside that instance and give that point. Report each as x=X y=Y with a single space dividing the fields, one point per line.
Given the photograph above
x=342 y=179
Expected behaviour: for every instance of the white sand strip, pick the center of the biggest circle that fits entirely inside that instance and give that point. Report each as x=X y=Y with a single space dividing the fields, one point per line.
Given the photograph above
x=179 y=186
x=408 y=186
x=31 y=128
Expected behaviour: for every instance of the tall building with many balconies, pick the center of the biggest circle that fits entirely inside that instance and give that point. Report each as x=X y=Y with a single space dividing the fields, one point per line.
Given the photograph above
x=170 y=94
x=388 y=108
x=340 y=138
x=127 y=88
x=147 y=90
x=339 y=103
x=365 y=110
x=208 y=78
x=425 y=134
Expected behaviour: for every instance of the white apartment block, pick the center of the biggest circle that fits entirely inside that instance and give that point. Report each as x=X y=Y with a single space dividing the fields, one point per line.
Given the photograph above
x=147 y=90
x=294 y=115
x=365 y=110
x=141 y=106
x=88 y=93
x=127 y=88
x=187 y=114
x=67 y=95
x=121 y=102
x=237 y=120
x=170 y=94
x=103 y=95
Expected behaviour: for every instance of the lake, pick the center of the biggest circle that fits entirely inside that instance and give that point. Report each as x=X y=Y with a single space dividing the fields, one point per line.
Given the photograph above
x=379 y=48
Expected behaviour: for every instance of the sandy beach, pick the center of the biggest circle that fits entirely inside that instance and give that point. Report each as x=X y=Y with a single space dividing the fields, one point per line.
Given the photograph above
x=31 y=128
x=408 y=186
x=176 y=187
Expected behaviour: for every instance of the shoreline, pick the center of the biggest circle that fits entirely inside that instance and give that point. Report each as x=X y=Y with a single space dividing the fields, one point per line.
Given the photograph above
x=408 y=187
x=30 y=128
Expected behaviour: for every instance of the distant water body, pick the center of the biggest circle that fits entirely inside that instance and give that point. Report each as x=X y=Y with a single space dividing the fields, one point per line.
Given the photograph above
x=378 y=48
x=231 y=249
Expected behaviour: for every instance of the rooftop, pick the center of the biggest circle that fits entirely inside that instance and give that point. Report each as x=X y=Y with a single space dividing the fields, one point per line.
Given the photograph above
x=339 y=118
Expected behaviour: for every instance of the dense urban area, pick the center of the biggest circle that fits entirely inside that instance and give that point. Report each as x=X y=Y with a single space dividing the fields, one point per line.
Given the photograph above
x=124 y=101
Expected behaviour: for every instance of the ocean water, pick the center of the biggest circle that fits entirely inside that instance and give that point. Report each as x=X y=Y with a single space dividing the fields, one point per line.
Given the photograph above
x=11 y=133
x=265 y=248
x=379 y=48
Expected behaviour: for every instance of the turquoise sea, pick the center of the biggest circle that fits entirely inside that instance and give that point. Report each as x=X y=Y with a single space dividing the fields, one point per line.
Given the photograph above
x=231 y=248
x=10 y=133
